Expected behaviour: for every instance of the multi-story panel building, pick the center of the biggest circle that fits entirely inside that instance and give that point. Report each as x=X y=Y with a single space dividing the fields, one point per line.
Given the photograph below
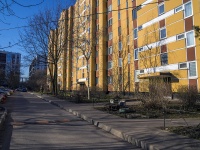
x=129 y=42
x=38 y=64
x=166 y=44
x=9 y=67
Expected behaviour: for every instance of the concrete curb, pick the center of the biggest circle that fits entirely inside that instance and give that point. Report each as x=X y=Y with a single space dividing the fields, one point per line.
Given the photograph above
x=139 y=141
x=107 y=128
x=3 y=116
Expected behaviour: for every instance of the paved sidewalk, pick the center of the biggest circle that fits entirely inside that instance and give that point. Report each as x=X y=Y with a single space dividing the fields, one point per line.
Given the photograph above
x=144 y=133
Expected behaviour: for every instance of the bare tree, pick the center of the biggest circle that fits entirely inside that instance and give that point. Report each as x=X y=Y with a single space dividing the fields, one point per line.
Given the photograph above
x=150 y=57
x=6 y=8
x=121 y=59
x=41 y=39
x=85 y=40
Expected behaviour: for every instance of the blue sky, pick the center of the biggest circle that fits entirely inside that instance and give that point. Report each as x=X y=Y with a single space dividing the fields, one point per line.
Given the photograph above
x=11 y=25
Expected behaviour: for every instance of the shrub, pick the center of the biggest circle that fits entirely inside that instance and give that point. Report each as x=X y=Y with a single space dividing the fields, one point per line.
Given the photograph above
x=188 y=96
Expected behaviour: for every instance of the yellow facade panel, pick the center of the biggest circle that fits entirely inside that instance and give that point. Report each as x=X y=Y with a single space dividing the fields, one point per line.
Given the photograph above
x=180 y=44
x=147 y=13
x=177 y=56
x=178 y=17
x=171 y=4
x=175 y=28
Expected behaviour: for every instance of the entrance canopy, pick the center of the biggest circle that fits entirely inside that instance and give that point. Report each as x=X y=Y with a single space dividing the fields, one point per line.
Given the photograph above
x=155 y=75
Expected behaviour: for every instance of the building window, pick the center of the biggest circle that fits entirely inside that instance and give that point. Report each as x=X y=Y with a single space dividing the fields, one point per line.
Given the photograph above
x=162 y=33
x=97 y=3
x=129 y=58
x=109 y=64
x=137 y=72
x=136 y=54
x=120 y=62
x=120 y=46
x=178 y=9
x=126 y=4
x=190 y=39
x=109 y=50
x=180 y=36
x=119 y=16
x=164 y=59
x=97 y=53
x=110 y=36
x=97 y=80
x=109 y=8
x=109 y=79
x=134 y=14
x=119 y=30
x=192 y=69
x=188 y=9
x=161 y=9
x=118 y=2
x=135 y=33
x=110 y=22
x=97 y=66
x=140 y=28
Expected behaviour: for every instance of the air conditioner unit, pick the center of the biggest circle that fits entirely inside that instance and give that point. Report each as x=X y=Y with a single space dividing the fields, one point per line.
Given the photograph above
x=183 y=65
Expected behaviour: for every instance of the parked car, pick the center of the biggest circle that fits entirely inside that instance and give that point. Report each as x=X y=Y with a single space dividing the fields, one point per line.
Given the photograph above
x=2 y=98
x=5 y=92
x=24 y=89
x=21 y=89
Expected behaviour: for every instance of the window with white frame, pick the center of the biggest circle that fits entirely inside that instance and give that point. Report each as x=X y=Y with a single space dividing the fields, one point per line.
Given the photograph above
x=110 y=79
x=118 y=2
x=135 y=33
x=164 y=59
x=120 y=62
x=129 y=58
x=120 y=46
x=188 y=9
x=180 y=36
x=135 y=54
x=136 y=73
x=161 y=9
x=97 y=2
x=163 y=33
x=190 y=38
x=109 y=50
x=109 y=8
x=109 y=64
x=192 y=69
x=110 y=22
x=110 y=36
x=177 y=9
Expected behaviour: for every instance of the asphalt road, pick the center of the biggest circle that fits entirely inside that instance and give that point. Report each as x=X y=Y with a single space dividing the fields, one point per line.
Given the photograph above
x=35 y=124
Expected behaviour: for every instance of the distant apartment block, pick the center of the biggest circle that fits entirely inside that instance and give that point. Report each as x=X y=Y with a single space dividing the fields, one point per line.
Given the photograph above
x=38 y=64
x=9 y=66
x=130 y=42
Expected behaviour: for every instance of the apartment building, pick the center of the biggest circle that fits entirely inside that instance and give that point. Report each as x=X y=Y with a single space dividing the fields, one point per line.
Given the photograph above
x=120 y=45
x=166 y=44
x=38 y=64
x=9 y=67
